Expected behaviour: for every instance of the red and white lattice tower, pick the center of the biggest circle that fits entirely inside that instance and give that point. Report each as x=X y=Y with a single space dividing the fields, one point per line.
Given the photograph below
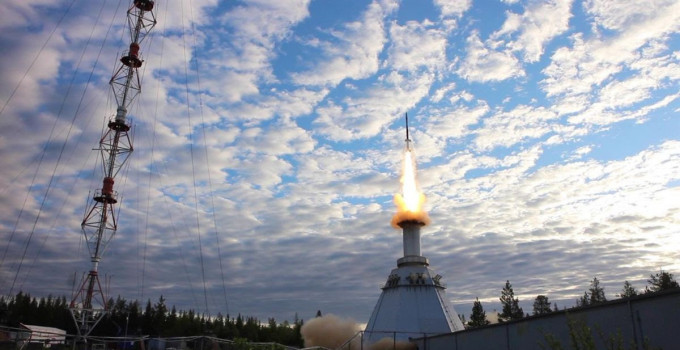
x=88 y=305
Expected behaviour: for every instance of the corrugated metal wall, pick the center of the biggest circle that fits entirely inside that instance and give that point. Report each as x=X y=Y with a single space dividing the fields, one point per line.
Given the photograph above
x=650 y=318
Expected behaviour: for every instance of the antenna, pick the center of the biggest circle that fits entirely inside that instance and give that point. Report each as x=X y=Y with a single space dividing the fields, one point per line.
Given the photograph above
x=88 y=305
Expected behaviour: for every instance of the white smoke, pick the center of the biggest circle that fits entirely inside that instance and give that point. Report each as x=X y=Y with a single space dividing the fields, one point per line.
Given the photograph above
x=389 y=344
x=330 y=331
x=333 y=332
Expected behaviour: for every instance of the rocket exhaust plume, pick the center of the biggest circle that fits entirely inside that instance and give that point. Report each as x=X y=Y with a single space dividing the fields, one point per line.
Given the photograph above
x=330 y=332
x=388 y=343
x=333 y=332
x=410 y=201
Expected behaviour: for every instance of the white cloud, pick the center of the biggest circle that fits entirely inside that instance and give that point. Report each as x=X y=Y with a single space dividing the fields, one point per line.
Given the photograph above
x=484 y=64
x=511 y=127
x=307 y=173
x=368 y=114
x=616 y=99
x=453 y=8
x=284 y=103
x=244 y=55
x=355 y=54
x=590 y=62
x=18 y=13
x=439 y=94
x=580 y=152
x=416 y=45
x=540 y=23
x=620 y=14
x=264 y=170
x=453 y=123
x=283 y=137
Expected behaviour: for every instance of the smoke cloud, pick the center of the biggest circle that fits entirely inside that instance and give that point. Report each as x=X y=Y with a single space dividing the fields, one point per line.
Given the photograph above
x=389 y=344
x=330 y=331
x=333 y=332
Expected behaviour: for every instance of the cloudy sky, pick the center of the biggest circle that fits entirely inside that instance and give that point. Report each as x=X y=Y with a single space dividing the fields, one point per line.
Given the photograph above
x=269 y=136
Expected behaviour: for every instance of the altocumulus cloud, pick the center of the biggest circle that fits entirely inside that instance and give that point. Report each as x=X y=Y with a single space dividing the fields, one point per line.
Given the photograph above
x=545 y=138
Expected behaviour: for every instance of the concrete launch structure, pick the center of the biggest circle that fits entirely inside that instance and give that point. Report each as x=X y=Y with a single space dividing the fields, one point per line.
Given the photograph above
x=413 y=301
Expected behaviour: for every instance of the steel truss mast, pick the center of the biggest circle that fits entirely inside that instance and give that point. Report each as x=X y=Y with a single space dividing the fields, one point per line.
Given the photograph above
x=88 y=305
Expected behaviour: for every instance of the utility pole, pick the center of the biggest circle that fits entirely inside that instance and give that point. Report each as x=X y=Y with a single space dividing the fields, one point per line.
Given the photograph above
x=88 y=305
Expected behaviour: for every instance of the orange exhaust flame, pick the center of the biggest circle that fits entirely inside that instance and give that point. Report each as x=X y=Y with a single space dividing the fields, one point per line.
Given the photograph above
x=410 y=201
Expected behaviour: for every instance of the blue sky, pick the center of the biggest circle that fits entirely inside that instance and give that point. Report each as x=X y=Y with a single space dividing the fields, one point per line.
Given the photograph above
x=546 y=135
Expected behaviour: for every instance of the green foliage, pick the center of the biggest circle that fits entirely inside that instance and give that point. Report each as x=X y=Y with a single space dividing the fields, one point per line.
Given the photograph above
x=511 y=309
x=661 y=281
x=581 y=338
x=478 y=316
x=594 y=294
x=580 y=335
x=541 y=305
x=551 y=342
x=242 y=344
x=584 y=300
x=23 y=308
x=127 y=318
x=628 y=291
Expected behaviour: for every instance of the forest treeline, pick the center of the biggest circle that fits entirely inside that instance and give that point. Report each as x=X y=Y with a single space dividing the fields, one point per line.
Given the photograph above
x=595 y=294
x=155 y=320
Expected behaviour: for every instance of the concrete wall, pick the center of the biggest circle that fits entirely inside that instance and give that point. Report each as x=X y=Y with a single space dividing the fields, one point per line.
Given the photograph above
x=651 y=318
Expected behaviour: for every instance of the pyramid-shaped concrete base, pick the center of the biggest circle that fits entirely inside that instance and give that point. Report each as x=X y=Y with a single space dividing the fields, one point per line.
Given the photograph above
x=412 y=304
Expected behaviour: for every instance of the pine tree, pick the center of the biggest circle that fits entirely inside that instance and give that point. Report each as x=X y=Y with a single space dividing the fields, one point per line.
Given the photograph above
x=584 y=300
x=661 y=281
x=511 y=309
x=160 y=315
x=541 y=305
x=478 y=316
x=596 y=292
x=628 y=291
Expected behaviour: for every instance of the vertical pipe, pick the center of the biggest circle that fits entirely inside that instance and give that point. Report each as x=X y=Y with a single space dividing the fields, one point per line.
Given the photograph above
x=362 y=340
x=411 y=233
x=632 y=324
x=507 y=336
x=639 y=321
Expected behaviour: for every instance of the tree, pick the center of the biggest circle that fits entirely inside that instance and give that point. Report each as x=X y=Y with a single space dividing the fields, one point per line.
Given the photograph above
x=661 y=281
x=628 y=291
x=478 y=316
x=160 y=314
x=596 y=292
x=511 y=309
x=584 y=300
x=541 y=305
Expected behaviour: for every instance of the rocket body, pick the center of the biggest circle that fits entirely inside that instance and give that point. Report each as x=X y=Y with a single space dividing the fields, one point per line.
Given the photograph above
x=409 y=147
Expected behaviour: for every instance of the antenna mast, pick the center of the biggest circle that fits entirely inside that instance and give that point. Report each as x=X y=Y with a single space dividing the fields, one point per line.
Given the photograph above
x=88 y=305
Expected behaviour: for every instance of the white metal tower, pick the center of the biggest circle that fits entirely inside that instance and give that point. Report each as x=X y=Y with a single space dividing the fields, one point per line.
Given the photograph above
x=88 y=305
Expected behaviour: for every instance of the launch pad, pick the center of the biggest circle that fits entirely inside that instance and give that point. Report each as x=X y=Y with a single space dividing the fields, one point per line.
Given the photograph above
x=413 y=301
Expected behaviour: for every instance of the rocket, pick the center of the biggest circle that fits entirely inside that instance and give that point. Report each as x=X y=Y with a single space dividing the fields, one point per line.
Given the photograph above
x=408 y=140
